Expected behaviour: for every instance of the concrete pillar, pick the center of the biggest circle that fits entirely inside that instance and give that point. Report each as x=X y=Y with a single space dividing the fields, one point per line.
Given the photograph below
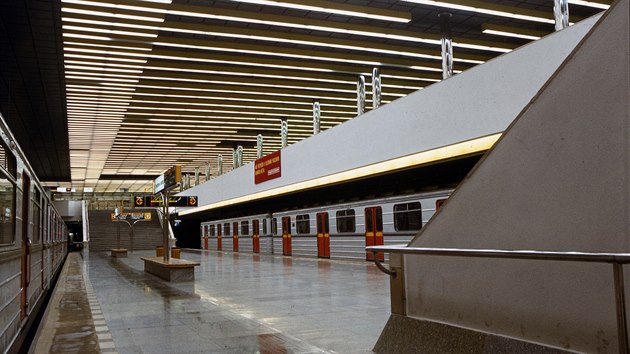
x=376 y=88
x=284 y=133
x=360 y=95
x=259 y=146
x=316 y=117
x=447 y=45
x=561 y=13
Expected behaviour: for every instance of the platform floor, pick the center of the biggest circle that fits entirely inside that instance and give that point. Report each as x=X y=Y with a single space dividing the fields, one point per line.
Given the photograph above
x=238 y=303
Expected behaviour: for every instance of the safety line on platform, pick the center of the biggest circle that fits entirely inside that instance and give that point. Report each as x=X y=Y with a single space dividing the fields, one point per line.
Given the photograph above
x=105 y=340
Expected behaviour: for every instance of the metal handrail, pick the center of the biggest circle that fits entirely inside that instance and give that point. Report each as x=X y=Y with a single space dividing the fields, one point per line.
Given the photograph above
x=616 y=259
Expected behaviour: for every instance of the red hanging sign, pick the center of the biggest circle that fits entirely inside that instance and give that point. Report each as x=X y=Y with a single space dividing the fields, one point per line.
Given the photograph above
x=267 y=167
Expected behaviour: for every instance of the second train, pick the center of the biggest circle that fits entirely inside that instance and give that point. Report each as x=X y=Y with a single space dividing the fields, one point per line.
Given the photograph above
x=337 y=231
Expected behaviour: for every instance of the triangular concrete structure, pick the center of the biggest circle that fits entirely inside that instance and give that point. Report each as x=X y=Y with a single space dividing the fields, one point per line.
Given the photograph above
x=559 y=179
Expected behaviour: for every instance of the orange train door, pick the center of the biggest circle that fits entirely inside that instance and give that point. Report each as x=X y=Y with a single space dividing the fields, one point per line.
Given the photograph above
x=256 y=236
x=323 y=236
x=219 y=244
x=373 y=230
x=235 y=237
x=206 y=232
x=286 y=236
x=26 y=244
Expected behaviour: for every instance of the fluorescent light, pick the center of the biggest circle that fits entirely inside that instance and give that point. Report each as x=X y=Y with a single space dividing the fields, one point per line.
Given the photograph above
x=108 y=31
x=86 y=36
x=67 y=43
x=110 y=14
x=421 y=158
x=330 y=10
x=256 y=93
x=236 y=106
x=94 y=57
x=482 y=10
x=83 y=77
x=100 y=68
x=510 y=34
x=589 y=4
x=508 y=31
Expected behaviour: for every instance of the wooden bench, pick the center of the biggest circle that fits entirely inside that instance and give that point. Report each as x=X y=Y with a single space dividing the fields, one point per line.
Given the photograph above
x=174 y=270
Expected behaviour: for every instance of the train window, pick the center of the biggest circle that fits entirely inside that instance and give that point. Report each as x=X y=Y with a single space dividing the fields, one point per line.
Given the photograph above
x=303 y=225
x=264 y=223
x=274 y=226
x=226 y=229
x=408 y=216
x=245 y=227
x=7 y=160
x=211 y=230
x=346 y=221
x=7 y=210
x=35 y=215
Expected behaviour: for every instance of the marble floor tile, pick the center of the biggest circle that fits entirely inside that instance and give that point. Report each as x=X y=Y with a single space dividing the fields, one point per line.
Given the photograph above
x=242 y=303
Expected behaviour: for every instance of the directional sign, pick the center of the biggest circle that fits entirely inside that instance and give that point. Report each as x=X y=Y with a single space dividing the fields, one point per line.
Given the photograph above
x=132 y=215
x=150 y=201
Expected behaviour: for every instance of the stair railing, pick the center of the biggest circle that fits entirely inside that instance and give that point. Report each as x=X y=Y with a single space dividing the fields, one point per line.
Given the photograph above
x=616 y=259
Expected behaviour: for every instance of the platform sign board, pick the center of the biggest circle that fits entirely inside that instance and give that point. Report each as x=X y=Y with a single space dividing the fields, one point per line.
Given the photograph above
x=267 y=167
x=132 y=216
x=172 y=176
x=159 y=184
x=151 y=201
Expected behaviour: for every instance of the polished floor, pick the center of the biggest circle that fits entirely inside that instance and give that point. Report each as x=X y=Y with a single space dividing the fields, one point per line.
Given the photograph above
x=238 y=303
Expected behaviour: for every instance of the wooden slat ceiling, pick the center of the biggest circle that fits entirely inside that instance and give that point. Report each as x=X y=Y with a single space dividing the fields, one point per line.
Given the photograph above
x=150 y=84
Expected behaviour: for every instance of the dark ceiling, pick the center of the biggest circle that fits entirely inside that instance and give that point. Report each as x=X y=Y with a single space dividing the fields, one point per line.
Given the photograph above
x=32 y=92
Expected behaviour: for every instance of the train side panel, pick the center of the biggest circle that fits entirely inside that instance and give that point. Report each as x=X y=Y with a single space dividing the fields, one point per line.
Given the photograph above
x=29 y=226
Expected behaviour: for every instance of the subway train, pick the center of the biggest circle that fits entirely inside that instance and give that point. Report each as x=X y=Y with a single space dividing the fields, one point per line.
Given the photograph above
x=338 y=231
x=33 y=244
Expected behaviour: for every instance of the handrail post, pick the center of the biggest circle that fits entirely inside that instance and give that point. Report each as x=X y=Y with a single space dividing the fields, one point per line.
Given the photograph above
x=381 y=267
x=622 y=330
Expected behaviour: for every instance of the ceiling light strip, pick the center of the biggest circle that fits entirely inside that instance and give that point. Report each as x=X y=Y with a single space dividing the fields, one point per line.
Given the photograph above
x=460 y=5
x=250 y=20
x=330 y=8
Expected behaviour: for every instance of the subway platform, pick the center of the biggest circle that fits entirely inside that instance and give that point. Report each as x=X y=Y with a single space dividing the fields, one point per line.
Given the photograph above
x=238 y=303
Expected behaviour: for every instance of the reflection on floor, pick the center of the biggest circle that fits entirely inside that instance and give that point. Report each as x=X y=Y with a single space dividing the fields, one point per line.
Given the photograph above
x=241 y=303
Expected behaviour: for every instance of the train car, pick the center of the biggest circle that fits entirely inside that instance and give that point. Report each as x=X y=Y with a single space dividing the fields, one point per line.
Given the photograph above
x=243 y=234
x=33 y=243
x=333 y=231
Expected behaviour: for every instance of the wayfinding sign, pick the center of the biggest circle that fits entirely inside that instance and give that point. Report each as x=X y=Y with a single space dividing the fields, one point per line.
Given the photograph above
x=170 y=178
x=132 y=216
x=151 y=201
